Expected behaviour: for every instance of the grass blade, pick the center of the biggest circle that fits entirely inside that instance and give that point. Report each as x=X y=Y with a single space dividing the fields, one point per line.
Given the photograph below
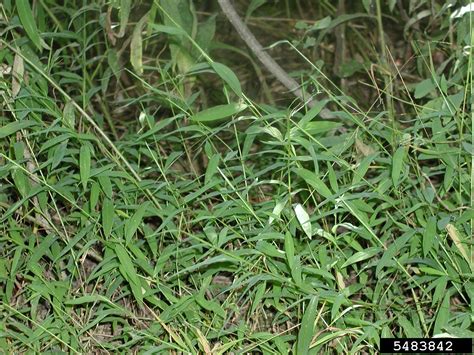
x=306 y=332
x=85 y=164
x=217 y=113
x=29 y=24
x=134 y=222
x=397 y=164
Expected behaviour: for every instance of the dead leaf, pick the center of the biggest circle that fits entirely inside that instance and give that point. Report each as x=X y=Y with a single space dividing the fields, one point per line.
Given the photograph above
x=456 y=237
x=108 y=27
x=18 y=72
x=363 y=148
x=5 y=69
x=136 y=46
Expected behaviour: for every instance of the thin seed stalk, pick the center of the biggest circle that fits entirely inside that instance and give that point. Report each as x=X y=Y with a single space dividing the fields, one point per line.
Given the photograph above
x=383 y=58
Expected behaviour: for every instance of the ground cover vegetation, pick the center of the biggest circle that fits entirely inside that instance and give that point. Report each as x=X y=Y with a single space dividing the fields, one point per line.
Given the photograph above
x=160 y=191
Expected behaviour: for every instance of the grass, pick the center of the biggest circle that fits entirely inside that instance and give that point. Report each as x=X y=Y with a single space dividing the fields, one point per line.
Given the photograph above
x=149 y=203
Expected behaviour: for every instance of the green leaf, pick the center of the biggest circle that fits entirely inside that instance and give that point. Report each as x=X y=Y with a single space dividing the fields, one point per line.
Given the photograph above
x=313 y=112
x=228 y=76
x=459 y=332
x=106 y=185
x=87 y=299
x=306 y=333
x=21 y=182
x=29 y=25
x=429 y=235
x=391 y=4
x=279 y=206
x=13 y=127
x=321 y=24
x=179 y=13
x=68 y=114
x=440 y=290
x=85 y=164
x=368 y=5
x=269 y=249
x=211 y=234
x=125 y=7
x=41 y=250
x=408 y=328
x=313 y=180
x=254 y=4
x=289 y=249
x=113 y=62
x=129 y=272
x=432 y=271
x=394 y=248
x=205 y=33
x=361 y=170
x=134 y=222
x=424 y=88
x=258 y=296
x=218 y=112
x=340 y=298
x=212 y=168
x=136 y=49
x=442 y=317
x=332 y=177
x=397 y=164
x=94 y=195
x=362 y=255
x=107 y=217
x=318 y=127
x=296 y=271
x=170 y=30
x=212 y=306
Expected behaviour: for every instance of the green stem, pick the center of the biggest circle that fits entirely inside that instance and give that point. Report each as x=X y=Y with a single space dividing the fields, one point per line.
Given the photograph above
x=383 y=58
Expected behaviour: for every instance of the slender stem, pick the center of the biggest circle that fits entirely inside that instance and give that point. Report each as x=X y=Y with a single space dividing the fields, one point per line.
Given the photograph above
x=269 y=63
x=470 y=77
x=383 y=58
x=340 y=55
